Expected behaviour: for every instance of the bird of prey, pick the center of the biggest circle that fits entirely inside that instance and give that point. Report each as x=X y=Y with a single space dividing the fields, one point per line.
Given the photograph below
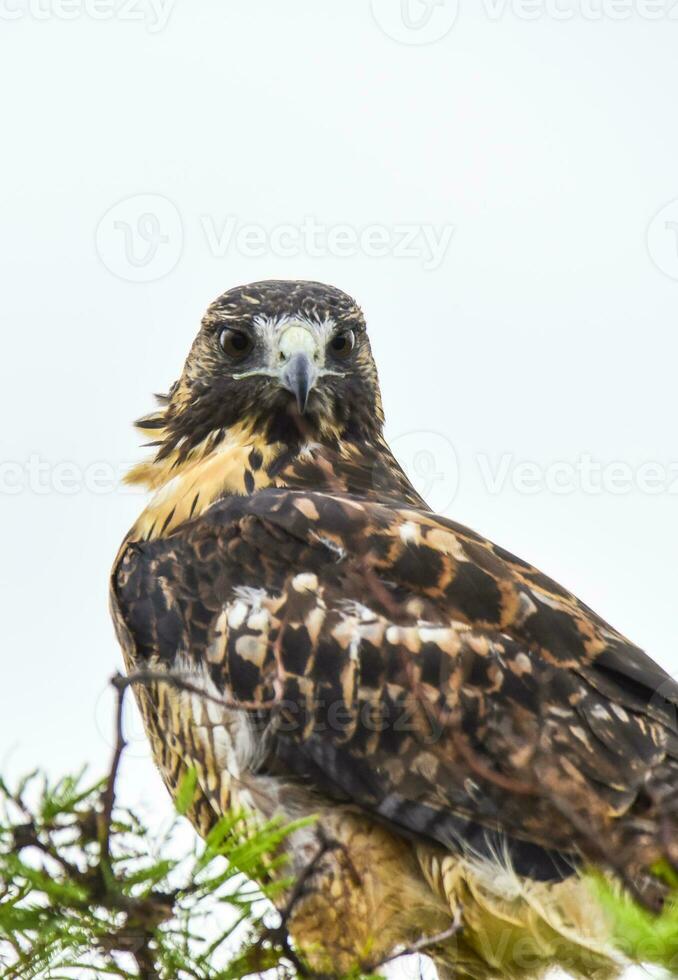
x=471 y=736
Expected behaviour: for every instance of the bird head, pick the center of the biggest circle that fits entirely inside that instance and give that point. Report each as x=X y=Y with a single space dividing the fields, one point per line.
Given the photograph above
x=285 y=360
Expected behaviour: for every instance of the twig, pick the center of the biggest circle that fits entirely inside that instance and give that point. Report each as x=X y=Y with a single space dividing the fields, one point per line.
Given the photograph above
x=108 y=795
x=177 y=681
x=427 y=943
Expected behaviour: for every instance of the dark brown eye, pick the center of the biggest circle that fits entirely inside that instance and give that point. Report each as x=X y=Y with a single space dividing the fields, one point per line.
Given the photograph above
x=235 y=343
x=343 y=343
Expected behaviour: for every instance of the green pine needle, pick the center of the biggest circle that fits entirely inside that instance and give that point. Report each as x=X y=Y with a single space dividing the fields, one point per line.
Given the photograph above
x=639 y=934
x=141 y=910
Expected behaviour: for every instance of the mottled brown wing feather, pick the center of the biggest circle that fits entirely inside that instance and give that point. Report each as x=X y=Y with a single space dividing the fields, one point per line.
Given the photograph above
x=417 y=670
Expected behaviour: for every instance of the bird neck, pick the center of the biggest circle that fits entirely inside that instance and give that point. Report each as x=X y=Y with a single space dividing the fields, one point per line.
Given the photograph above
x=185 y=486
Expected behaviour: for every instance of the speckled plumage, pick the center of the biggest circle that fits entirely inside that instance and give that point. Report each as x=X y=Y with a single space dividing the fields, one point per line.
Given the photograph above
x=470 y=731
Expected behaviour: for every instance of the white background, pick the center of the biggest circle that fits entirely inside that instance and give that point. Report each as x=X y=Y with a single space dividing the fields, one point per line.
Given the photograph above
x=541 y=139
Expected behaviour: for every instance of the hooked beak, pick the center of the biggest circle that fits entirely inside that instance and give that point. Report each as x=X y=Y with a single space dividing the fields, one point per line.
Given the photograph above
x=299 y=353
x=299 y=376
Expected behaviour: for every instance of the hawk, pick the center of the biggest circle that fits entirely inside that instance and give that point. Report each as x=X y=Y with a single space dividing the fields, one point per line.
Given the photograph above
x=470 y=735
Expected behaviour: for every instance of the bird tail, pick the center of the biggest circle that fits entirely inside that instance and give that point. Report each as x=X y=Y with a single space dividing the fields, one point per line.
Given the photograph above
x=516 y=928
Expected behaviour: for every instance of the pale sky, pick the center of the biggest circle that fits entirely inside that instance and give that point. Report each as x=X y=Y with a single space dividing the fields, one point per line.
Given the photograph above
x=495 y=182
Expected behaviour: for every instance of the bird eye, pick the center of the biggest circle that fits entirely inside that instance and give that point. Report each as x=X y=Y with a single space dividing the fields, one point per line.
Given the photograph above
x=343 y=343
x=235 y=343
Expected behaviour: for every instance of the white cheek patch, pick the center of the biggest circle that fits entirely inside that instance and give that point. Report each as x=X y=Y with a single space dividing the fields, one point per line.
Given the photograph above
x=294 y=330
x=285 y=336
